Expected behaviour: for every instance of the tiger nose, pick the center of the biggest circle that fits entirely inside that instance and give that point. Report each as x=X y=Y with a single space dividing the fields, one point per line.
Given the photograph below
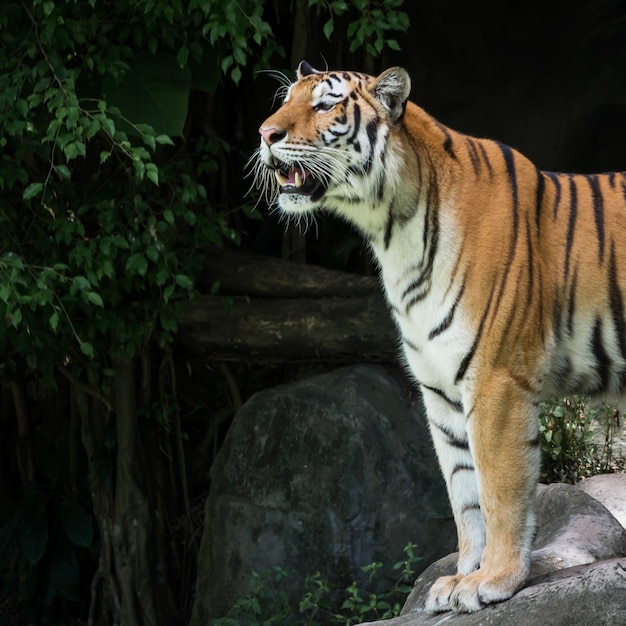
x=271 y=134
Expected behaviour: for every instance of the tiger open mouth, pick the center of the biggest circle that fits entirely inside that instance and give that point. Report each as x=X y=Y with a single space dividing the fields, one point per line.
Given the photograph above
x=299 y=180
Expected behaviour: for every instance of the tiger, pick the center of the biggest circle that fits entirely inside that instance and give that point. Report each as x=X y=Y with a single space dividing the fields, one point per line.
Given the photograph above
x=506 y=284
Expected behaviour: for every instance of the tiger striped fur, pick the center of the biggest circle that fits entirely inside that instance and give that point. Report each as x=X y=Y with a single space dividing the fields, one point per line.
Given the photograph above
x=506 y=284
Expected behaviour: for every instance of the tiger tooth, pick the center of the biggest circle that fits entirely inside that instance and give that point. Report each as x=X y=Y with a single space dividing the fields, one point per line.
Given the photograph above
x=282 y=180
x=298 y=178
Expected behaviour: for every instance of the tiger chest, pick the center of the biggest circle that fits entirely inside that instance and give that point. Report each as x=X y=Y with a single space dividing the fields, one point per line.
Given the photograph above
x=434 y=332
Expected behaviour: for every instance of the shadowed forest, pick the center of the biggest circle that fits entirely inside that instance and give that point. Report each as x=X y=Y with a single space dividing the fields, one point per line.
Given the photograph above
x=142 y=282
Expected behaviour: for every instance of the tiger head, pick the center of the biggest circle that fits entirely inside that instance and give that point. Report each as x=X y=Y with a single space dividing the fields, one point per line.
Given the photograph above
x=325 y=147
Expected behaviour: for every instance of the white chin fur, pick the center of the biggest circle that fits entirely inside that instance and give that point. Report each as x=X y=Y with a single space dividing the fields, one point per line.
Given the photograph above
x=294 y=203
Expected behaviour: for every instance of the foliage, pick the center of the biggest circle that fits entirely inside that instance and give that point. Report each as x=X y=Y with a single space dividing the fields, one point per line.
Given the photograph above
x=568 y=435
x=268 y=603
x=373 y=21
x=102 y=204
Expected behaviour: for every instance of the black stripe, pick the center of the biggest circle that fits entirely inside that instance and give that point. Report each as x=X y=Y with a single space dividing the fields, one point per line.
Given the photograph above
x=389 y=227
x=556 y=180
x=530 y=264
x=474 y=156
x=483 y=151
x=409 y=343
x=357 y=123
x=612 y=180
x=470 y=507
x=344 y=118
x=571 y=307
x=509 y=159
x=603 y=361
x=453 y=441
x=421 y=281
x=456 y=405
x=467 y=359
x=372 y=135
x=616 y=303
x=462 y=467
x=598 y=212
x=447 y=320
x=573 y=214
x=447 y=143
x=541 y=184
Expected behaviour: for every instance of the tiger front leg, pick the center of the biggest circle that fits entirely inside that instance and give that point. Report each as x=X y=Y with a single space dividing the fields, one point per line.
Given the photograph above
x=505 y=448
x=448 y=427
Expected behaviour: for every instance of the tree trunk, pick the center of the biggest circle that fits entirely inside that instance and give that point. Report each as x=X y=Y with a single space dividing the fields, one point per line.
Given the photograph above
x=132 y=582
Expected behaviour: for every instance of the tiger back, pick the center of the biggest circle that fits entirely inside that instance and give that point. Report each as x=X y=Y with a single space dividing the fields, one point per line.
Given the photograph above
x=506 y=284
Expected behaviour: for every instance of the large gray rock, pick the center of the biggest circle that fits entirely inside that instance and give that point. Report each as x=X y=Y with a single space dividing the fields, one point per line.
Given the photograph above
x=610 y=489
x=578 y=575
x=327 y=474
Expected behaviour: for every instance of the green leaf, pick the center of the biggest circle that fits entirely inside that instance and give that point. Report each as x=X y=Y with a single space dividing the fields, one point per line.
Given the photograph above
x=32 y=190
x=63 y=171
x=80 y=283
x=226 y=62
x=164 y=139
x=137 y=263
x=54 y=321
x=183 y=281
x=152 y=173
x=328 y=28
x=86 y=348
x=74 y=149
x=95 y=298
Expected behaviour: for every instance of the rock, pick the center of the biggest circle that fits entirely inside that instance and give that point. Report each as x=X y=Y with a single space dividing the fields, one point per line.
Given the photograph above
x=327 y=474
x=573 y=529
x=577 y=596
x=610 y=489
x=578 y=572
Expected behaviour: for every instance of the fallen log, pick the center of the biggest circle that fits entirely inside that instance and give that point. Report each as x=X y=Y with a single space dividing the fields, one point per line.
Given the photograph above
x=250 y=274
x=289 y=329
x=271 y=310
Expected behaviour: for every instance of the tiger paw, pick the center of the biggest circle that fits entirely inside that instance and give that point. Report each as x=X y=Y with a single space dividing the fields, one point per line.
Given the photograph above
x=474 y=591
x=438 y=599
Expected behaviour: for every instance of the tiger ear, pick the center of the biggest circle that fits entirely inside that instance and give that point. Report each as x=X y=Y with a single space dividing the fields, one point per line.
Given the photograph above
x=391 y=89
x=304 y=69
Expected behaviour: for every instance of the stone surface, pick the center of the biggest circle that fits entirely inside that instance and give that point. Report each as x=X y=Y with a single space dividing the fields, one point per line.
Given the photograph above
x=610 y=489
x=329 y=474
x=573 y=529
x=578 y=575
x=585 y=595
